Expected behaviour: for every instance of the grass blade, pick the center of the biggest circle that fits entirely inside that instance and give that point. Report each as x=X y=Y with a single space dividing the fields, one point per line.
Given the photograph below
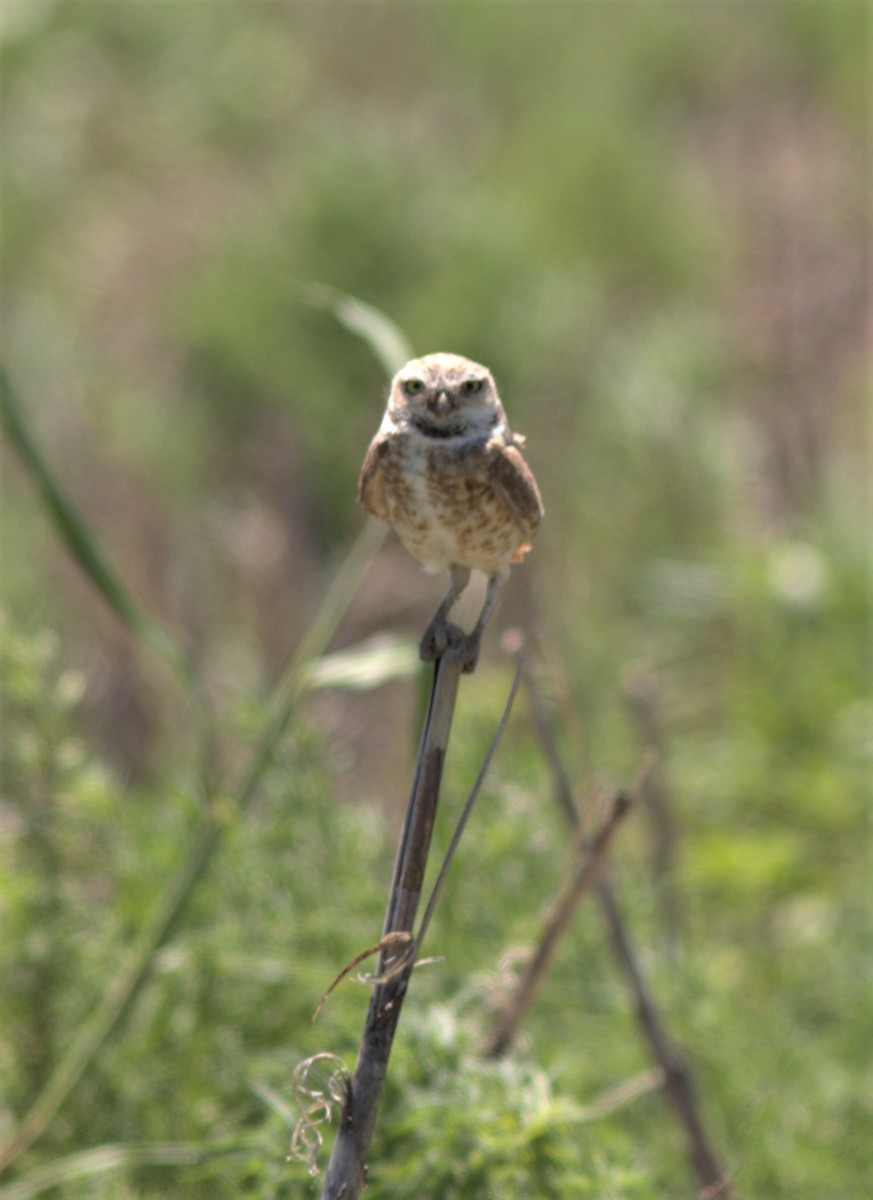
x=80 y=542
x=102 y=1160
x=385 y=339
x=122 y=991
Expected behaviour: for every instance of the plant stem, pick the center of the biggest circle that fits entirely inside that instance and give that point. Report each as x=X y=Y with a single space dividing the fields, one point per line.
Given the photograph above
x=591 y=859
x=346 y=1170
x=642 y=700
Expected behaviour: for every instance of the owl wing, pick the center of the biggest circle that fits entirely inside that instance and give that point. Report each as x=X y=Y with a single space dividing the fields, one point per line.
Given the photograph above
x=513 y=481
x=371 y=481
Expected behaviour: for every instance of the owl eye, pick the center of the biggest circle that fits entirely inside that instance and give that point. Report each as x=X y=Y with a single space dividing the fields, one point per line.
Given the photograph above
x=412 y=386
x=471 y=386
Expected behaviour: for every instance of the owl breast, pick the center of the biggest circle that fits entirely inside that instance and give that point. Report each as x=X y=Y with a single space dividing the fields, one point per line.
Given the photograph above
x=445 y=508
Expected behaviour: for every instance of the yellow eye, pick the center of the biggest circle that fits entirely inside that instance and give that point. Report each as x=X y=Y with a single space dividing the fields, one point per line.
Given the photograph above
x=471 y=386
x=412 y=386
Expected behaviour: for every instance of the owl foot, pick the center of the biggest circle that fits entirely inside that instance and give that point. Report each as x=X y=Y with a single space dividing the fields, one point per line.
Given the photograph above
x=443 y=638
x=438 y=637
x=465 y=650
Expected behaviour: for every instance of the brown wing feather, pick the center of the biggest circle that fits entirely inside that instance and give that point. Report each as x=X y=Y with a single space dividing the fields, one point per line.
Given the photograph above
x=371 y=483
x=513 y=479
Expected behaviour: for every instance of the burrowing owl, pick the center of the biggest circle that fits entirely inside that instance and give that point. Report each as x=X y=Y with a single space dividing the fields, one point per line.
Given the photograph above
x=446 y=472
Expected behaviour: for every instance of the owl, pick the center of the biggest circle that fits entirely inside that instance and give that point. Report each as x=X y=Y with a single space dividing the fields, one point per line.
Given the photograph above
x=445 y=471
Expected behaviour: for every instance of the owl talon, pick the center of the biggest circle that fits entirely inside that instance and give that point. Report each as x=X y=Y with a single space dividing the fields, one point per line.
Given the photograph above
x=465 y=650
x=438 y=637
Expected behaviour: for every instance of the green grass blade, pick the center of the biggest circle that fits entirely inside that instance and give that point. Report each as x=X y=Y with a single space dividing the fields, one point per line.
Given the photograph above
x=79 y=540
x=390 y=346
x=102 y=1160
x=387 y=341
x=122 y=991
x=296 y=677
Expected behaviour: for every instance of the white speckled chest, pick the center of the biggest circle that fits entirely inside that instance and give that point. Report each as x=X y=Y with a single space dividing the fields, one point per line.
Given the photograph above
x=445 y=505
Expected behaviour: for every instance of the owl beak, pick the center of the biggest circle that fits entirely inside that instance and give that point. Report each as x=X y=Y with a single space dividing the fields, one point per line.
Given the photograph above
x=441 y=404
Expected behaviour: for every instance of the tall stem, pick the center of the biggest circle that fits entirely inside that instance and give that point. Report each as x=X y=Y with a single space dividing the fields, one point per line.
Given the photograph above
x=347 y=1167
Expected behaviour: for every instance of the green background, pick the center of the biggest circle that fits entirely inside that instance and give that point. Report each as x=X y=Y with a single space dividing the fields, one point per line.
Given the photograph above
x=651 y=221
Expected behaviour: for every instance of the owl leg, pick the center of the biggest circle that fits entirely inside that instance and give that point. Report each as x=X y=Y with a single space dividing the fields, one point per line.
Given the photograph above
x=440 y=633
x=466 y=648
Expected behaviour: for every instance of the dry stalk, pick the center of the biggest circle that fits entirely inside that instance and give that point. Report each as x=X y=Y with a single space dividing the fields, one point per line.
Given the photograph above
x=643 y=703
x=591 y=857
x=678 y=1085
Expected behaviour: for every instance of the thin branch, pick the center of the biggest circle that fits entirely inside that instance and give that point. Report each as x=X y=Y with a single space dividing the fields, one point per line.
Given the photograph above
x=591 y=859
x=347 y=1167
x=468 y=807
x=641 y=698
x=678 y=1083
x=413 y=948
x=678 y=1086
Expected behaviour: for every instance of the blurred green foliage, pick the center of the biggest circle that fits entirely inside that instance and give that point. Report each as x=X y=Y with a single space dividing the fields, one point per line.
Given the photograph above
x=651 y=221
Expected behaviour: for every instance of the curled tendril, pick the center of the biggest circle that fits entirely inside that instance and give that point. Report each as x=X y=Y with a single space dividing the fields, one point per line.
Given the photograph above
x=318 y=1091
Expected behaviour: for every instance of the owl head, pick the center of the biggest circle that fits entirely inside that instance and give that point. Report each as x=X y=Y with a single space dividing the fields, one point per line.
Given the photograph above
x=445 y=395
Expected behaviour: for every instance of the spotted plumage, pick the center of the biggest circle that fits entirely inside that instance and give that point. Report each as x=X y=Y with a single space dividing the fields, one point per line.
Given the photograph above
x=448 y=474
